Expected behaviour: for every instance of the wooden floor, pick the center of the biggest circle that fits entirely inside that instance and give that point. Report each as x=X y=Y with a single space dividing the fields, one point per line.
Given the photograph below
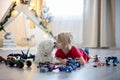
x=87 y=72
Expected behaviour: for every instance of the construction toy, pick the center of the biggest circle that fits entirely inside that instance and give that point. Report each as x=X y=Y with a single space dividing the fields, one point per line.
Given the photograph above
x=13 y=61
x=23 y=55
x=19 y=59
x=96 y=58
x=71 y=65
x=114 y=60
x=47 y=67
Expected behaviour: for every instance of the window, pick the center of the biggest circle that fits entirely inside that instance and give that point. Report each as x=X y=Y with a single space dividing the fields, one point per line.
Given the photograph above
x=65 y=8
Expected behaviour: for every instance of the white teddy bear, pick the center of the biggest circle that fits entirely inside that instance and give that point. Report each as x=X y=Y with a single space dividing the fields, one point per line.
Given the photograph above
x=44 y=51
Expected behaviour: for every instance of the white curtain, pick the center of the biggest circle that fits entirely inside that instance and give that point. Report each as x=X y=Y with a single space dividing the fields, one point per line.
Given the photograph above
x=117 y=23
x=99 y=23
x=68 y=17
x=92 y=22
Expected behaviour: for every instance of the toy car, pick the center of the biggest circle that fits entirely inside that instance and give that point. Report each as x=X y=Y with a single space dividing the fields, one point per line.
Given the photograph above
x=71 y=65
x=23 y=55
x=47 y=67
x=66 y=68
x=19 y=59
x=114 y=59
x=11 y=61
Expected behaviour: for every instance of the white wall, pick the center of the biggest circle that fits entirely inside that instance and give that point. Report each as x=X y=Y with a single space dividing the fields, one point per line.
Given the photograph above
x=4 y=4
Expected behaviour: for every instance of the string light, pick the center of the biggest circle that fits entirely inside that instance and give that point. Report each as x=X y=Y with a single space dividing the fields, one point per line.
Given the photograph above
x=17 y=1
x=45 y=35
x=30 y=8
x=14 y=12
x=32 y=4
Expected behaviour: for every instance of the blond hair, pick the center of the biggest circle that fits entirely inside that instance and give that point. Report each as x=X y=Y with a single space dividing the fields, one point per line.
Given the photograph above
x=66 y=38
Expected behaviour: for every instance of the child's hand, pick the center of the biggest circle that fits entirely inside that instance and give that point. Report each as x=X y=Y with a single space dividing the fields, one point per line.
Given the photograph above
x=63 y=61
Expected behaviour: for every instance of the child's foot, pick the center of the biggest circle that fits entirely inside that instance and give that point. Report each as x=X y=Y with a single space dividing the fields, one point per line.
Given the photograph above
x=86 y=50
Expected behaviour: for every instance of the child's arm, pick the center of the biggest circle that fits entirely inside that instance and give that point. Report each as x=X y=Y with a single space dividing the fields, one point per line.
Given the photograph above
x=62 y=61
x=82 y=61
